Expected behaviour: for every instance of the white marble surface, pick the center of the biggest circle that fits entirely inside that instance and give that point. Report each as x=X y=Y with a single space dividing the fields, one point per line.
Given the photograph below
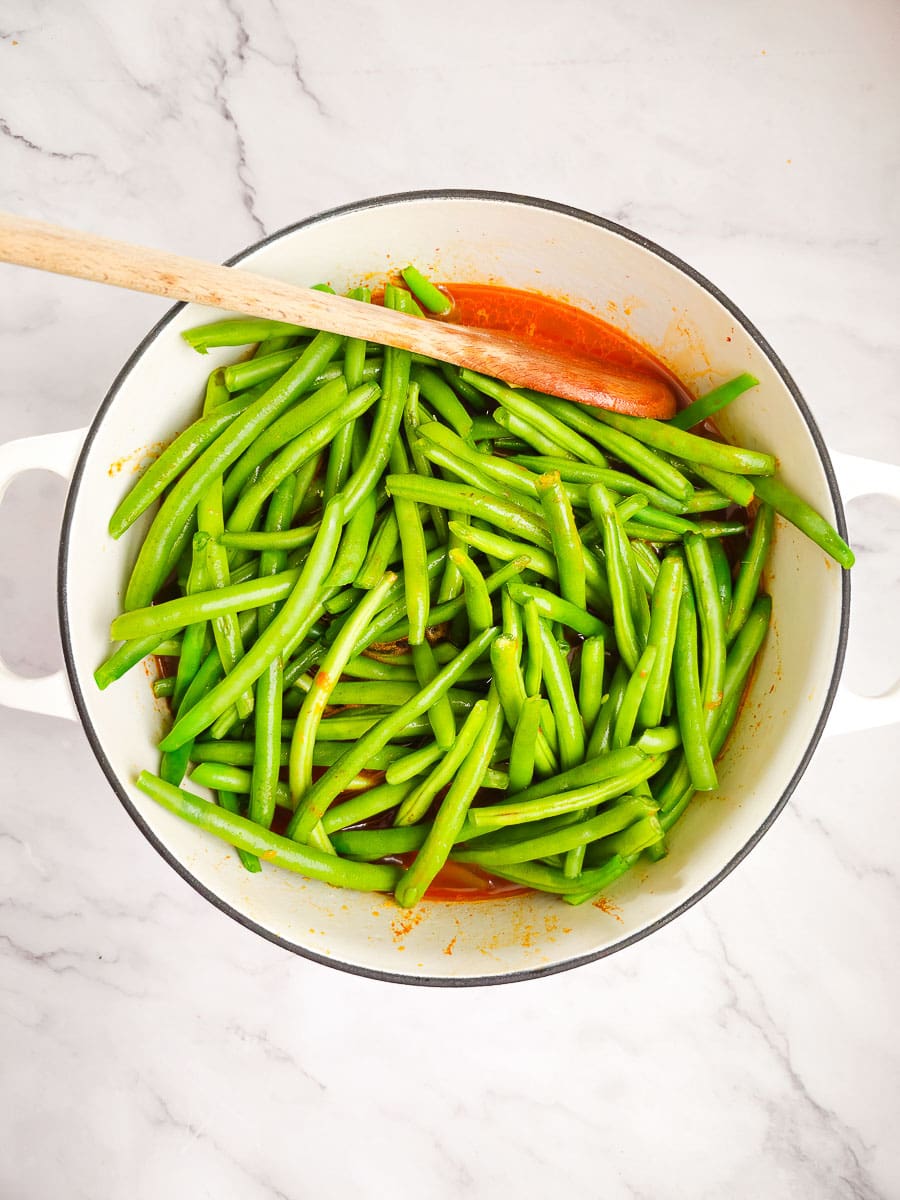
x=150 y=1046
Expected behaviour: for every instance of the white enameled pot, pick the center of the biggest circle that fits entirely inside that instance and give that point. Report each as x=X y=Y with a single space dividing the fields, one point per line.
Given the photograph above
x=630 y=282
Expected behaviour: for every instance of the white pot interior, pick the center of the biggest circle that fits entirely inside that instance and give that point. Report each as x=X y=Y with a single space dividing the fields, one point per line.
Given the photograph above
x=599 y=269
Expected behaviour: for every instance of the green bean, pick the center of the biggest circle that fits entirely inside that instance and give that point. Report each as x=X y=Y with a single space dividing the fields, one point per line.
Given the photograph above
x=632 y=697
x=528 y=848
x=273 y=560
x=124 y=657
x=164 y=688
x=632 y=841
x=274 y=541
x=419 y=801
x=584 y=474
x=593 y=770
x=522 y=406
x=230 y=802
x=202 y=606
x=425 y=291
x=451 y=585
x=357 y=536
x=511 y=619
x=273 y=641
x=508 y=679
x=554 y=608
x=171 y=526
x=534 y=662
x=674 y=797
x=440 y=715
x=751 y=569
x=485 y=429
x=524 y=742
x=369 y=845
x=705 y=529
x=381 y=552
x=575 y=891
x=712 y=402
x=267 y=743
x=689 y=697
x=260 y=368
x=339 y=456
x=443 y=400
x=370 y=803
x=504 y=514
x=317 y=801
x=558 y=682
x=689 y=447
x=663 y=625
x=355 y=349
x=220 y=776
x=522 y=434
x=300 y=418
x=470 y=473
x=707 y=500
x=712 y=619
x=274 y=344
x=415 y=579
x=496 y=546
x=412 y=421
x=590 y=679
x=413 y=764
x=739 y=490
x=722 y=569
x=388 y=416
x=471 y=395
x=502 y=471
x=194 y=639
x=317 y=698
x=605 y=515
x=476 y=595
x=239 y=332
x=226 y=631
x=379 y=630
x=297 y=452
x=349 y=728
x=650 y=517
x=270 y=847
x=627 y=448
x=795 y=510
x=564 y=536
x=176 y=458
x=240 y=754
x=520 y=811
x=453 y=809
x=659 y=740
x=601 y=735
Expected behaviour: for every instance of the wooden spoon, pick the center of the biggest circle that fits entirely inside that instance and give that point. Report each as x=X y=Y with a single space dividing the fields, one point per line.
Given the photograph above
x=47 y=247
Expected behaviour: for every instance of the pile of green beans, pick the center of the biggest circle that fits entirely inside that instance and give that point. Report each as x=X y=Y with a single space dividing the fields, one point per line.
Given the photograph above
x=418 y=615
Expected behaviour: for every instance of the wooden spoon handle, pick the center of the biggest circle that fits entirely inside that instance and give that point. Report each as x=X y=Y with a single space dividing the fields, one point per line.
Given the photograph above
x=47 y=247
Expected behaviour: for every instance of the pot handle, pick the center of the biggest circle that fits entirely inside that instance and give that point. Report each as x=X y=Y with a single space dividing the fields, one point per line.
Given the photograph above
x=57 y=452
x=852 y=712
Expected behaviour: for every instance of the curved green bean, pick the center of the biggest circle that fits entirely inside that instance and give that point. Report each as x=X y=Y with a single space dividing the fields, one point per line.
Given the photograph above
x=715 y=400
x=453 y=809
x=318 y=799
x=269 y=847
x=794 y=509
x=419 y=801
